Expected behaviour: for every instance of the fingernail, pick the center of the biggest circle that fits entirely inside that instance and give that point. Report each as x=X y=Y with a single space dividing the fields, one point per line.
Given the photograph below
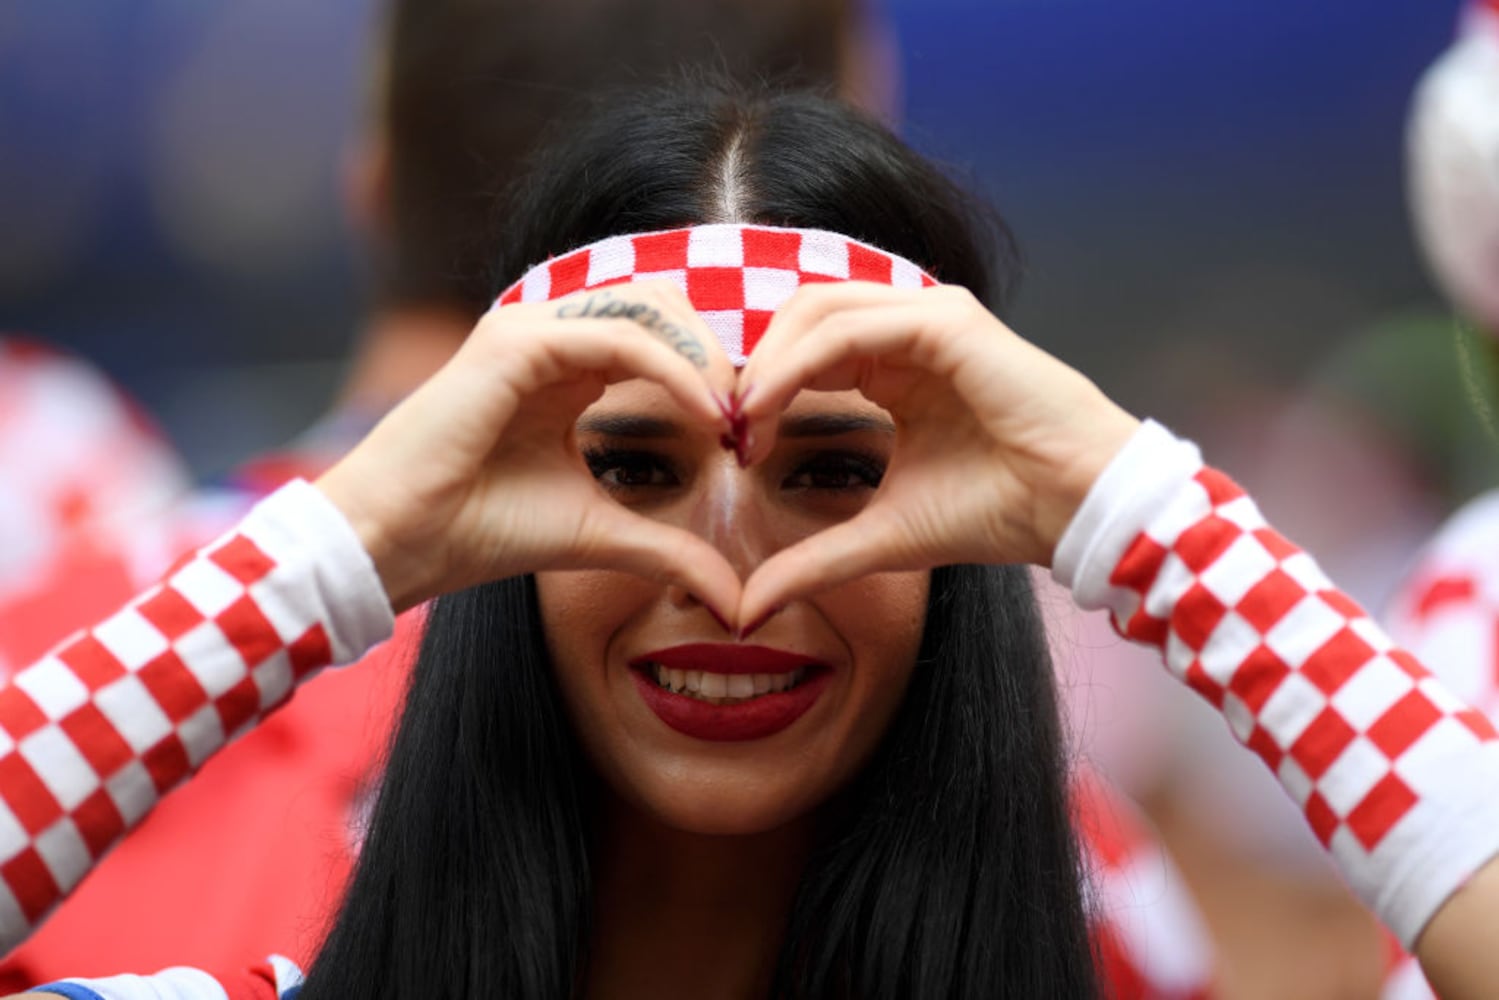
x=754 y=626
x=726 y=407
x=723 y=622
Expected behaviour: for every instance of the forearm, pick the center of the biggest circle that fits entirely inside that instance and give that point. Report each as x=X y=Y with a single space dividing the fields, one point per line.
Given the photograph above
x=93 y=734
x=1395 y=775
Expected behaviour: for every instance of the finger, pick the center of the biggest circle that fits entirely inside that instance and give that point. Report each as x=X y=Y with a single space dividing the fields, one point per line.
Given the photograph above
x=865 y=544
x=663 y=311
x=805 y=309
x=618 y=350
x=482 y=389
x=665 y=554
x=847 y=349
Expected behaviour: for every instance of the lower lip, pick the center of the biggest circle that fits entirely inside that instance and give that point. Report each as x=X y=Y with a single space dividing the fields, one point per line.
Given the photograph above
x=754 y=719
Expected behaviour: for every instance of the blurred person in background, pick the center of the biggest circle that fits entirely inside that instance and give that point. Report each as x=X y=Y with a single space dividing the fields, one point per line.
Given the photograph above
x=466 y=88
x=78 y=455
x=1447 y=611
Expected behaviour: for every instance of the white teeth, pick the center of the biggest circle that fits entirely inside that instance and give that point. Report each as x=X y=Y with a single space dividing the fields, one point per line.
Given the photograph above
x=722 y=688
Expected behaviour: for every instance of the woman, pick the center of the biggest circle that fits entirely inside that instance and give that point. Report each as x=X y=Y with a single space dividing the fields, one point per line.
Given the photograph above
x=602 y=787
x=731 y=806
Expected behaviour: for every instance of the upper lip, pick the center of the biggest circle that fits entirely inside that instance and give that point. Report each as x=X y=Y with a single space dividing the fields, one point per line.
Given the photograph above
x=727 y=658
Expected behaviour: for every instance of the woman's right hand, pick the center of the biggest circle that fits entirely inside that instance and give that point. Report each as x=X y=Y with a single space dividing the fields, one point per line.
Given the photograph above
x=476 y=476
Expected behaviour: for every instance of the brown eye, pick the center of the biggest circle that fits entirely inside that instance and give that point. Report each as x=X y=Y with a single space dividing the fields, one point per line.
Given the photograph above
x=837 y=471
x=629 y=470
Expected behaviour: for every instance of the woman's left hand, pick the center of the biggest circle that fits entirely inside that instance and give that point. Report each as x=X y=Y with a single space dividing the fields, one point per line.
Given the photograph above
x=997 y=442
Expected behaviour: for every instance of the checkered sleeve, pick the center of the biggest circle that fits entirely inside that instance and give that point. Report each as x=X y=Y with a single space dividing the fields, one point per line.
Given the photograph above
x=1395 y=774
x=93 y=734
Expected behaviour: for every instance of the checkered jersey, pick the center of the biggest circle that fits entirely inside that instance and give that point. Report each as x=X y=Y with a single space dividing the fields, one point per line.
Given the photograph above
x=75 y=454
x=736 y=276
x=100 y=728
x=1148 y=937
x=1447 y=611
x=1393 y=772
x=277 y=978
x=1447 y=614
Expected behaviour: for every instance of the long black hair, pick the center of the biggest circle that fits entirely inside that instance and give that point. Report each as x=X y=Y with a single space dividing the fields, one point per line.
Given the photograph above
x=954 y=871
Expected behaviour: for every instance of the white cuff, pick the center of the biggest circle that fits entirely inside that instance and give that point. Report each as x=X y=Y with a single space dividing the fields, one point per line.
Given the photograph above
x=299 y=526
x=1134 y=486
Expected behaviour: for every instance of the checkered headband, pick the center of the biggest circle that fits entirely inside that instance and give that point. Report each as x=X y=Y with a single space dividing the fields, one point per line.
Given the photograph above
x=736 y=276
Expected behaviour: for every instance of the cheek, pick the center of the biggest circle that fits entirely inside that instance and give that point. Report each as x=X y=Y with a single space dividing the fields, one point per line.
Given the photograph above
x=580 y=614
x=881 y=619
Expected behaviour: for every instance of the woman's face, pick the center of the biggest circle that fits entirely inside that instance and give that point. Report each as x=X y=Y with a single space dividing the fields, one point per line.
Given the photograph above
x=705 y=734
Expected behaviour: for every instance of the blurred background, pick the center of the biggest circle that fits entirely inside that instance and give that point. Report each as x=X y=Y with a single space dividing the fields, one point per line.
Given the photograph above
x=1210 y=196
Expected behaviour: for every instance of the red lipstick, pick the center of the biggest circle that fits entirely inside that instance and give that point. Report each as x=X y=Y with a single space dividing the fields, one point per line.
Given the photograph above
x=753 y=718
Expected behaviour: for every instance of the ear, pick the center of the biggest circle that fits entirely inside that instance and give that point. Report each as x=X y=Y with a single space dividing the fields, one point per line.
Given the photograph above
x=365 y=182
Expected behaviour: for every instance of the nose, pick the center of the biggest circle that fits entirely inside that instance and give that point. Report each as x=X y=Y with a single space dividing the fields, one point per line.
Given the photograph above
x=728 y=512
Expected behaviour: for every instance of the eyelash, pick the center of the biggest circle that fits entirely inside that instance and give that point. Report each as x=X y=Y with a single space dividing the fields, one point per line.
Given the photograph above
x=865 y=469
x=602 y=461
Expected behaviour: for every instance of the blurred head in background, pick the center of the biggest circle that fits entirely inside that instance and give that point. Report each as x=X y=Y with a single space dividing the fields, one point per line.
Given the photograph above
x=1454 y=167
x=466 y=87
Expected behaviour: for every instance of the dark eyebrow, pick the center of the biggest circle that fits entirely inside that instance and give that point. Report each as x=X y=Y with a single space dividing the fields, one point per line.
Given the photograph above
x=628 y=425
x=833 y=424
x=631 y=425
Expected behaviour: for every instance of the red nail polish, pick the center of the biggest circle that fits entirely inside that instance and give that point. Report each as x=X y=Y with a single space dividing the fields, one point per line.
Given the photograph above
x=725 y=407
x=754 y=626
x=723 y=622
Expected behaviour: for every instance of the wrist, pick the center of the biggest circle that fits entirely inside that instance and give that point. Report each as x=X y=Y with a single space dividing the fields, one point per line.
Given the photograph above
x=400 y=575
x=1106 y=435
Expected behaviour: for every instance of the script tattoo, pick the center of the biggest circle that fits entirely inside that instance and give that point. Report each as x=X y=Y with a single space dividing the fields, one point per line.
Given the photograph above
x=604 y=305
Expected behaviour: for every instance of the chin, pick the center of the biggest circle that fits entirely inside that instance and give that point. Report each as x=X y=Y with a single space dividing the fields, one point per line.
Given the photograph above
x=727 y=804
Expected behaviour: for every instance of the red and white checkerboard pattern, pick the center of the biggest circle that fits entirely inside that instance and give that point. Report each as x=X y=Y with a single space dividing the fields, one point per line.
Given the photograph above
x=1378 y=753
x=1149 y=938
x=736 y=276
x=114 y=717
x=75 y=453
x=1447 y=611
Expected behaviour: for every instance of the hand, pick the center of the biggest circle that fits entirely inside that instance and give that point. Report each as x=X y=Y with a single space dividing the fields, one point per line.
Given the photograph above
x=476 y=475
x=997 y=442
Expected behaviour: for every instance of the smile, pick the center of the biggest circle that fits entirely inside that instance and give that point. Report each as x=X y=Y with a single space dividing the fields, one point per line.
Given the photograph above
x=723 y=692
x=723 y=689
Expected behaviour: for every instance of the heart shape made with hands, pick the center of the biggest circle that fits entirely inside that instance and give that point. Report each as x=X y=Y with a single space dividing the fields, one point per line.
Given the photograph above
x=996 y=442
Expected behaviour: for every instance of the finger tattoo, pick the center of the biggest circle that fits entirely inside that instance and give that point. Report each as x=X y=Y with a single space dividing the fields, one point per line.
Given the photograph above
x=605 y=305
